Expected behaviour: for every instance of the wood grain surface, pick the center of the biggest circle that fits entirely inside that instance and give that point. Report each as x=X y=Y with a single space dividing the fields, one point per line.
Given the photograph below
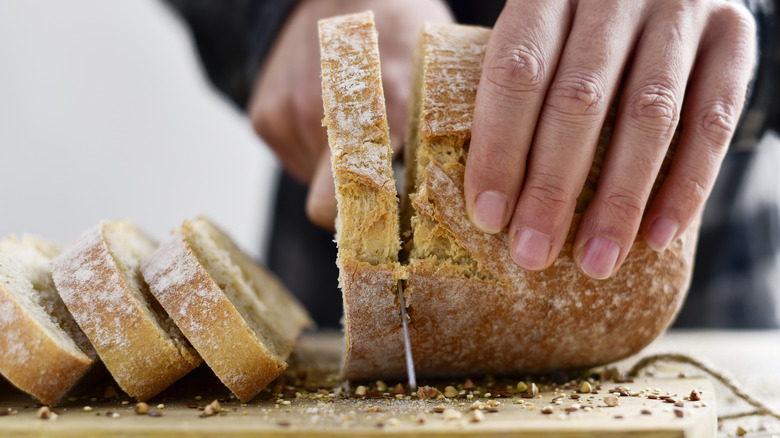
x=312 y=414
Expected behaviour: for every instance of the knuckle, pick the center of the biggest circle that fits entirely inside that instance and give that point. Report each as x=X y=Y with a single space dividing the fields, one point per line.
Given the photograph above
x=262 y=119
x=624 y=205
x=737 y=18
x=516 y=70
x=655 y=107
x=550 y=199
x=577 y=94
x=691 y=192
x=717 y=122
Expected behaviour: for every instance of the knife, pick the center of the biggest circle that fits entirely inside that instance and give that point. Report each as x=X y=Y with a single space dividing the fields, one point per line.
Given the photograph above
x=407 y=342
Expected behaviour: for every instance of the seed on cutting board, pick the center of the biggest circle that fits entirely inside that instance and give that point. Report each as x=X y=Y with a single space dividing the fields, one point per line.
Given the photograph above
x=695 y=395
x=547 y=410
x=399 y=389
x=427 y=392
x=361 y=390
x=450 y=392
x=452 y=414
x=477 y=416
x=87 y=408
x=421 y=418
x=611 y=400
x=155 y=414
x=141 y=408
x=585 y=387
x=522 y=387
x=44 y=413
x=381 y=386
x=469 y=384
x=679 y=403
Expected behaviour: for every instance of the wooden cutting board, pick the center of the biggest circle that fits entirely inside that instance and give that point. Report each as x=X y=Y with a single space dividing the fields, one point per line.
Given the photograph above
x=328 y=413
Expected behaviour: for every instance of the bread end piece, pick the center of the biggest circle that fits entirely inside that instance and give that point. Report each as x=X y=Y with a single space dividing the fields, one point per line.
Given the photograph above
x=98 y=277
x=235 y=313
x=44 y=352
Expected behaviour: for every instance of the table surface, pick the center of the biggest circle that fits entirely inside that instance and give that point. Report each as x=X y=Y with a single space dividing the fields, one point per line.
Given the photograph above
x=751 y=358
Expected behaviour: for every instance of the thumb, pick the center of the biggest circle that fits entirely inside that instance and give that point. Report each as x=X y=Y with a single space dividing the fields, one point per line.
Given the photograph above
x=321 y=200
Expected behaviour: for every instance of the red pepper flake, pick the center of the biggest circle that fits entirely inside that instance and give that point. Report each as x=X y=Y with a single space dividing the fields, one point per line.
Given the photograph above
x=438 y=410
x=193 y=405
x=646 y=412
x=678 y=413
x=575 y=396
x=469 y=385
x=695 y=395
x=492 y=410
x=283 y=423
x=526 y=395
x=155 y=414
x=571 y=409
x=618 y=417
x=670 y=400
x=652 y=397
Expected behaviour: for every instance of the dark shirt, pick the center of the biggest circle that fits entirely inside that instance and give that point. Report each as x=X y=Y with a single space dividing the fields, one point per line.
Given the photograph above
x=736 y=281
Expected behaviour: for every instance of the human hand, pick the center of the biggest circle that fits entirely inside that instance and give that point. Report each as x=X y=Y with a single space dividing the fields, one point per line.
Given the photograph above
x=286 y=104
x=551 y=71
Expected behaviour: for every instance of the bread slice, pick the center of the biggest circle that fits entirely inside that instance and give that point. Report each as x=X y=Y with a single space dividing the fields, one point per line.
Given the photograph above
x=98 y=278
x=473 y=310
x=44 y=353
x=367 y=228
x=238 y=316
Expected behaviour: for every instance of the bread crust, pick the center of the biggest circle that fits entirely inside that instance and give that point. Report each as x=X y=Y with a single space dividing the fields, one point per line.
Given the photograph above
x=209 y=320
x=32 y=360
x=138 y=354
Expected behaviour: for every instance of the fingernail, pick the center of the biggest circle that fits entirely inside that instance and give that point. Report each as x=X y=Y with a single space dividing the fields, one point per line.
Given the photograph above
x=661 y=233
x=599 y=257
x=490 y=211
x=531 y=249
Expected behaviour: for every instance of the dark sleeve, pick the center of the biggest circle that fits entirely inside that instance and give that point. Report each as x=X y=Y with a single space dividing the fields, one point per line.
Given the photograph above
x=232 y=38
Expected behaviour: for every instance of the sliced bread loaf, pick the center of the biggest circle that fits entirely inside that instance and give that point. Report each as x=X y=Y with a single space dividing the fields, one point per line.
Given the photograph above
x=99 y=279
x=44 y=353
x=238 y=316
x=473 y=310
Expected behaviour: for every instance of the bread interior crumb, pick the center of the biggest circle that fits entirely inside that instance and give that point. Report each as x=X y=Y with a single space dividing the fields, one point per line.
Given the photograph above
x=25 y=274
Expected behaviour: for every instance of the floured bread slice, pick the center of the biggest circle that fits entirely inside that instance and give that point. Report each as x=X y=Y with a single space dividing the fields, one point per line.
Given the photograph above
x=238 y=316
x=44 y=353
x=367 y=230
x=99 y=279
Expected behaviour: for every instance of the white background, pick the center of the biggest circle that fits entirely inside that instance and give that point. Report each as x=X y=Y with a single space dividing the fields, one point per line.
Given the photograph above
x=105 y=113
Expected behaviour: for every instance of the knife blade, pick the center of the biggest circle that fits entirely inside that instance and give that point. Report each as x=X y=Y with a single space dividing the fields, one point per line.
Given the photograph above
x=410 y=373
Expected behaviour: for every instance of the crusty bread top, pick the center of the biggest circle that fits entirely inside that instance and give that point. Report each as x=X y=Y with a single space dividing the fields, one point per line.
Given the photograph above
x=358 y=136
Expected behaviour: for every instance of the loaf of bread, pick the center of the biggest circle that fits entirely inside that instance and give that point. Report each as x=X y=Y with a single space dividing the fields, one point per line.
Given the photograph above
x=44 y=353
x=367 y=229
x=239 y=317
x=99 y=279
x=472 y=309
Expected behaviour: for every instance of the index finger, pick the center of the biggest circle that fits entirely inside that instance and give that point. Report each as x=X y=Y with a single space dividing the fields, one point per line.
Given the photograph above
x=520 y=61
